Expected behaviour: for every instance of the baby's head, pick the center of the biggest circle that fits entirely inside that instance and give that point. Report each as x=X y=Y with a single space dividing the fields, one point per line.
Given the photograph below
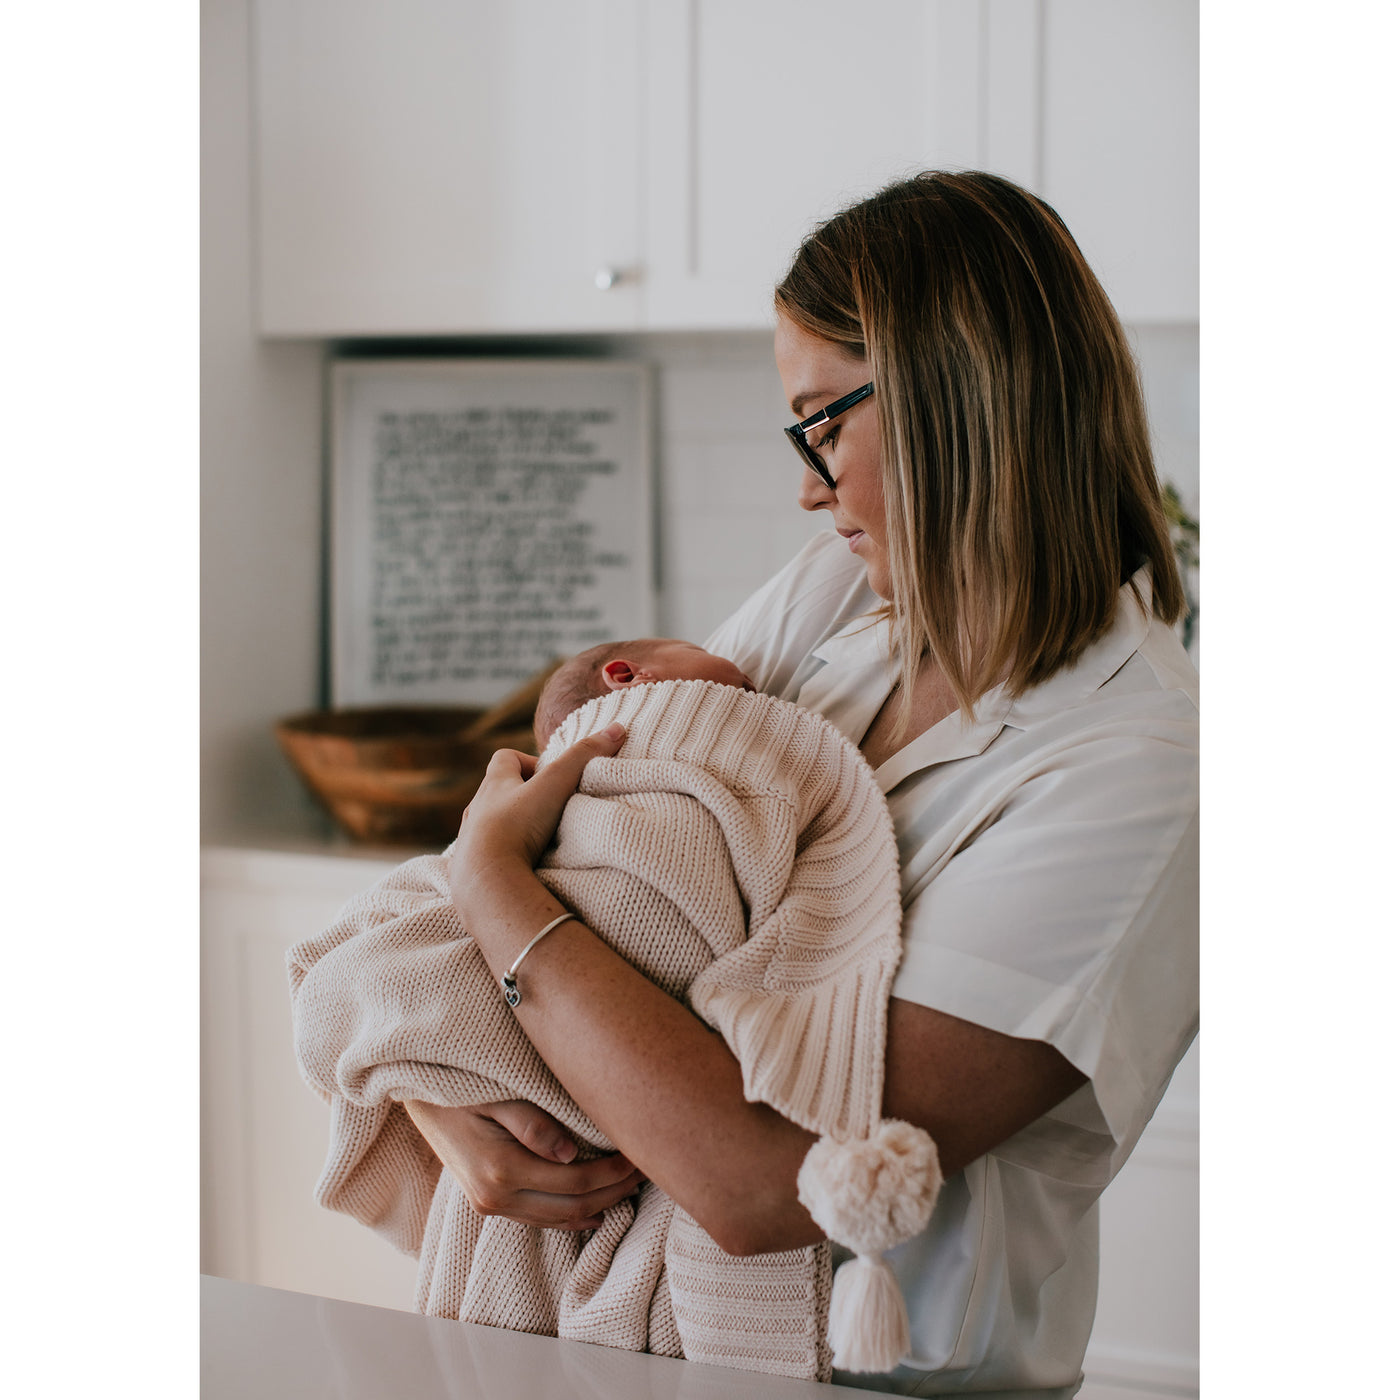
x=620 y=665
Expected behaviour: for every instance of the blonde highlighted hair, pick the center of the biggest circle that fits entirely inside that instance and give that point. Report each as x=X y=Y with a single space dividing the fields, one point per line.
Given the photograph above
x=1020 y=492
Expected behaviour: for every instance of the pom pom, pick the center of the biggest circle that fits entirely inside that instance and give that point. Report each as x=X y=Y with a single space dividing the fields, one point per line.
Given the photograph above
x=871 y=1194
x=869 y=1327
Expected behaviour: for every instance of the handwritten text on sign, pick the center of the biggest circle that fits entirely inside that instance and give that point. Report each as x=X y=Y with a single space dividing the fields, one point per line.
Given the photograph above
x=500 y=537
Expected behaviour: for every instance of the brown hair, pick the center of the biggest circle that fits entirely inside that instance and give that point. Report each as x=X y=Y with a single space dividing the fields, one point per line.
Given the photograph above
x=1019 y=487
x=579 y=680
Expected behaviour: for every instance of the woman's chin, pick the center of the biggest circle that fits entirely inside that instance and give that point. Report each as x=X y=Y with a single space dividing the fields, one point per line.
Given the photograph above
x=878 y=577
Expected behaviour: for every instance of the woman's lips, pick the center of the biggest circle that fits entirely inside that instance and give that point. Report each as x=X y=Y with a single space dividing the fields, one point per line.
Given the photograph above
x=852 y=538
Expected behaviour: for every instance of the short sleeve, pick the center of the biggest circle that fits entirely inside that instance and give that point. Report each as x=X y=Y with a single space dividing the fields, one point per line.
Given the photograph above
x=1072 y=917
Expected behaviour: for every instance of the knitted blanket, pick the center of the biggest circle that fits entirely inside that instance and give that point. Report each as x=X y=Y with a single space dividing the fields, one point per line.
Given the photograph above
x=738 y=851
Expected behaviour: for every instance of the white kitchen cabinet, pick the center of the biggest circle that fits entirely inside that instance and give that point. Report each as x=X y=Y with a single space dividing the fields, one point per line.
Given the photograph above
x=263 y=1132
x=775 y=116
x=764 y=117
x=455 y=166
x=265 y=1135
x=440 y=166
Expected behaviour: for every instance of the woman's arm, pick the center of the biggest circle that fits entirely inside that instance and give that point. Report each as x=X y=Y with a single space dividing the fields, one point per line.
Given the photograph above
x=658 y=1081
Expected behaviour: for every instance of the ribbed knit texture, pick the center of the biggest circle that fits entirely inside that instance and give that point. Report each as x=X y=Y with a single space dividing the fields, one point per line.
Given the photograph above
x=738 y=851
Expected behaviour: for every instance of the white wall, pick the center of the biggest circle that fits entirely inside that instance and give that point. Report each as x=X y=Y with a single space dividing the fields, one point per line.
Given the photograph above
x=260 y=507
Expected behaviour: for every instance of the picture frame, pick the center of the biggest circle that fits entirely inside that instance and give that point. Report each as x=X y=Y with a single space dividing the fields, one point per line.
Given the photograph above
x=488 y=516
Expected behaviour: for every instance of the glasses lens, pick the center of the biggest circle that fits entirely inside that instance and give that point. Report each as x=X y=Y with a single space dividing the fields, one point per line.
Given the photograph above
x=808 y=453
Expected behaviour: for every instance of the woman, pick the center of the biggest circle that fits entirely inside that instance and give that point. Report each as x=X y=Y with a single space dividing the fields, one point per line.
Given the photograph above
x=990 y=623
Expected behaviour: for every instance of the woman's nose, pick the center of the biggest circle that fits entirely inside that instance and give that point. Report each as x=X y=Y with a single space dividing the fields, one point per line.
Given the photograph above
x=814 y=493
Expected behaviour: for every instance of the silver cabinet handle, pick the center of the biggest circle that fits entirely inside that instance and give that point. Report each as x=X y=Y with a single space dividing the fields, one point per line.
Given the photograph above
x=606 y=278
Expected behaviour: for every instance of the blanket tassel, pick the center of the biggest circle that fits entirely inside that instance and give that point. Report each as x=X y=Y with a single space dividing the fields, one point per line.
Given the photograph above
x=870 y=1194
x=869 y=1324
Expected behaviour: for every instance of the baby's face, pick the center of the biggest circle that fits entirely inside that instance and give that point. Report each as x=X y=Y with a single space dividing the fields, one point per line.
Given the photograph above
x=684 y=661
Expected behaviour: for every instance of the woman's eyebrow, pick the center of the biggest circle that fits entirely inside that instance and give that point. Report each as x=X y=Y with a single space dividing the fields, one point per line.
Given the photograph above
x=802 y=400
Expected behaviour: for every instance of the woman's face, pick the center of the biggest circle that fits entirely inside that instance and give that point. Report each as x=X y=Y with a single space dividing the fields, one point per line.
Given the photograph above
x=814 y=373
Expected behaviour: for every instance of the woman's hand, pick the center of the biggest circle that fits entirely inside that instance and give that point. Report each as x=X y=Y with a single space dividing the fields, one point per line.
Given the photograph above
x=513 y=1159
x=510 y=821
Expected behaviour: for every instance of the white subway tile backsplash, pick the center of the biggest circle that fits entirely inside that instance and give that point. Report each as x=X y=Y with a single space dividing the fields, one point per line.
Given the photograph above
x=766 y=472
x=697 y=612
x=737 y=474
x=739 y=551
x=707 y=401
x=684 y=475
x=727 y=483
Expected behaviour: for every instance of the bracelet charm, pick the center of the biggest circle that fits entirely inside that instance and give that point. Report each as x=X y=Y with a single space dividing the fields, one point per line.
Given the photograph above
x=509 y=987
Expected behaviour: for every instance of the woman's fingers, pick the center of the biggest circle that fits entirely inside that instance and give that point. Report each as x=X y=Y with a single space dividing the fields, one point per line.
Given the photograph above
x=575 y=1212
x=546 y=794
x=561 y=777
x=505 y=772
x=515 y=1170
x=540 y=801
x=502 y=1175
x=521 y=1186
x=518 y=805
x=543 y=1135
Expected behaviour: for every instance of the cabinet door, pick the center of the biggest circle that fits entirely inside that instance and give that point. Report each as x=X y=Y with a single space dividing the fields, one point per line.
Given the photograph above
x=446 y=166
x=264 y=1133
x=1121 y=133
x=765 y=116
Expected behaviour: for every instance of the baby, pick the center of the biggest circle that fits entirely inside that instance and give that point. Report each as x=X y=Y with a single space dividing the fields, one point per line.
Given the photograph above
x=619 y=665
x=738 y=852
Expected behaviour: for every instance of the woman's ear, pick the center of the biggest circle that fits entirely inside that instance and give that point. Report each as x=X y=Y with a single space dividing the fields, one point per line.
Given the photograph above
x=619 y=674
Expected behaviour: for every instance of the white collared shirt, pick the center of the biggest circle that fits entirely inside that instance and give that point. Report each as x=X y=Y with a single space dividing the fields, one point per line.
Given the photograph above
x=1048 y=851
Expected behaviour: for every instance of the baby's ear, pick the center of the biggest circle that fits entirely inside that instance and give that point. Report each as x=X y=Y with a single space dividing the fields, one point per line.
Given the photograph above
x=619 y=674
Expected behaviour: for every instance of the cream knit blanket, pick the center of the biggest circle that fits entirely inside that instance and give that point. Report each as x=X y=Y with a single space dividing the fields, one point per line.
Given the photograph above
x=738 y=851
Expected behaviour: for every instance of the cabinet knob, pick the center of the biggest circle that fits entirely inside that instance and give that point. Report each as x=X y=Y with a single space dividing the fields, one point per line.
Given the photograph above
x=606 y=278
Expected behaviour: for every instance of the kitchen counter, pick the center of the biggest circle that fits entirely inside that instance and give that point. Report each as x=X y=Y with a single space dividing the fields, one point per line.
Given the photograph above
x=277 y=1345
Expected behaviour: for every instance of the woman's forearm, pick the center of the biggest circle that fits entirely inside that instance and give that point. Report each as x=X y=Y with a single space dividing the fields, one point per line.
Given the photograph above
x=662 y=1085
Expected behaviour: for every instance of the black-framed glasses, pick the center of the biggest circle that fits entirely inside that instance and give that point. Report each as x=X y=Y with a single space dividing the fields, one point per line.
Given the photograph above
x=798 y=432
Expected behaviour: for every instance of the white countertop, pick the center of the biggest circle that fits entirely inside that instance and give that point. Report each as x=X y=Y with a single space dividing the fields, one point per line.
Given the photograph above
x=276 y=1345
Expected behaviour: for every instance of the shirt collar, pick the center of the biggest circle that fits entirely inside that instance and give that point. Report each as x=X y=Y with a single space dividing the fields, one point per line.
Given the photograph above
x=864 y=644
x=843 y=689
x=860 y=641
x=856 y=675
x=1071 y=685
x=954 y=736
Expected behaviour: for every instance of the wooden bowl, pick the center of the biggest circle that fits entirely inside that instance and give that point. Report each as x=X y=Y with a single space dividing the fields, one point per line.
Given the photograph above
x=394 y=775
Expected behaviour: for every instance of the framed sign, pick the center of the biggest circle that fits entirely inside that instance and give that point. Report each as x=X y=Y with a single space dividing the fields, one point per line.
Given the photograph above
x=487 y=516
